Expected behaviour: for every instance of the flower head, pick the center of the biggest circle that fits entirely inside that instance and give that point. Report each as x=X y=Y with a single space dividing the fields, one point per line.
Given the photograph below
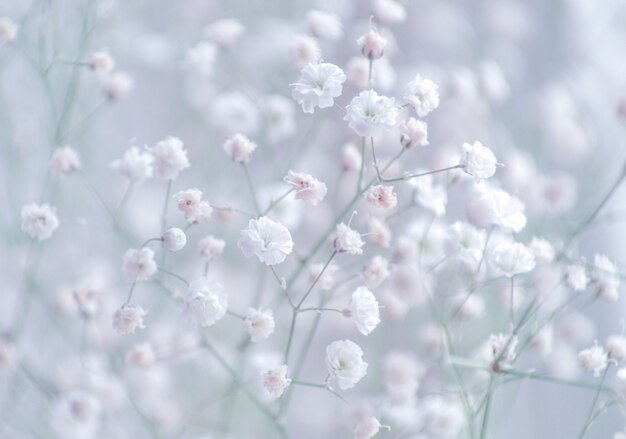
x=318 y=86
x=307 y=187
x=372 y=44
x=239 y=148
x=139 y=264
x=594 y=360
x=170 y=157
x=211 y=248
x=267 y=240
x=512 y=258
x=344 y=361
x=191 y=204
x=65 y=160
x=324 y=25
x=364 y=310
x=348 y=240
x=478 y=160
x=367 y=428
x=101 y=62
x=39 y=221
x=259 y=323
x=275 y=381
x=134 y=165
x=368 y=112
x=413 y=132
x=206 y=302
x=128 y=318
x=173 y=239
x=605 y=275
x=225 y=32
x=8 y=30
x=422 y=94
x=381 y=196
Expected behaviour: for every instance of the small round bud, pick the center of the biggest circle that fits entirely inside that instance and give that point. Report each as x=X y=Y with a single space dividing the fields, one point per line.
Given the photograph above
x=8 y=30
x=372 y=44
x=101 y=62
x=173 y=239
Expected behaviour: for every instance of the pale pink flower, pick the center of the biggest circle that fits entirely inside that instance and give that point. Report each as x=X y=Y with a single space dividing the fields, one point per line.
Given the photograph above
x=190 y=203
x=239 y=148
x=307 y=187
x=382 y=196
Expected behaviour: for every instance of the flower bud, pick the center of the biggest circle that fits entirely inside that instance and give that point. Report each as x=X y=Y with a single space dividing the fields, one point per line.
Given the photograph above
x=372 y=44
x=173 y=239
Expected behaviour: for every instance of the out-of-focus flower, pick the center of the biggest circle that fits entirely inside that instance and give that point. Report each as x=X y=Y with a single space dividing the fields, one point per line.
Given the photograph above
x=278 y=112
x=65 y=160
x=380 y=233
x=389 y=12
x=225 y=32
x=367 y=428
x=576 y=277
x=169 y=158
x=478 y=160
x=191 y=204
x=606 y=278
x=234 y=112
x=141 y=356
x=344 y=361
x=305 y=50
x=542 y=249
x=414 y=132
x=350 y=158
x=593 y=360
x=76 y=415
x=507 y=210
x=376 y=271
x=8 y=30
x=173 y=239
x=327 y=278
x=39 y=221
x=423 y=95
x=348 y=240
x=502 y=347
x=211 y=248
x=267 y=240
x=465 y=242
x=101 y=62
x=512 y=258
x=201 y=58
x=206 y=302
x=319 y=84
x=239 y=148
x=259 y=324
x=117 y=85
x=139 y=264
x=275 y=381
x=616 y=347
x=307 y=187
x=429 y=195
x=128 y=319
x=381 y=196
x=134 y=165
x=372 y=44
x=324 y=25
x=368 y=112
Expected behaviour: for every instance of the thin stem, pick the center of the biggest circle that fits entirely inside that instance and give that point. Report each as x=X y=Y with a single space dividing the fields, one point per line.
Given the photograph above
x=236 y=315
x=362 y=169
x=380 y=178
x=307 y=384
x=97 y=194
x=482 y=256
x=251 y=187
x=276 y=201
x=488 y=400
x=512 y=299
x=168 y=192
x=589 y=420
x=317 y=278
x=123 y=201
x=294 y=316
x=130 y=294
x=321 y=309
x=410 y=176
x=180 y=278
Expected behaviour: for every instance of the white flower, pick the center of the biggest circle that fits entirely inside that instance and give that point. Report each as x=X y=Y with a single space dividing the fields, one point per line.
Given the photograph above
x=324 y=25
x=117 y=85
x=134 y=165
x=444 y=416
x=259 y=323
x=478 y=160
x=422 y=94
x=542 y=249
x=413 y=132
x=401 y=375
x=206 y=302
x=616 y=347
x=502 y=347
x=348 y=240
x=350 y=158
x=279 y=114
x=367 y=428
x=465 y=242
x=433 y=197
x=173 y=239
x=65 y=160
x=138 y=264
x=8 y=30
x=39 y=221
x=225 y=32
x=305 y=50
x=576 y=277
x=606 y=278
x=381 y=196
x=307 y=187
x=368 y=113
x=344 y=361
x=380 y=233
x=201 y=58
x=128 y=319
x=191 y=204
x=101 y=62
x=507 y=210
x=372 y=44
x=512 y=258
x=76 y=415
x=211 y=248
x=141 y=356
x=593 y=360
x=327 y=278
x=389 y=12
x=234 y=112
x=267 y=240
x=170 y=157
x=376 y=271
x=319 y=84
x=239 y=148
x=275 y=381
x=363 y=310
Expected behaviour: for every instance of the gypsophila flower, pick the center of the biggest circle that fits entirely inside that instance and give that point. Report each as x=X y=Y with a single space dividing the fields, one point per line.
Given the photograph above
x=141 y=356
x=376 y=271
x=279 y=114
x=468 y=306
x=465 y=242
x=267 y=240
x=478 y=160
x=117 y=85
x=76 y=415
x=327 y=278
x=65 y=160
x=413 y=132
x=128 y=319
x=507 y=210
x=305 y=49
x=576 y=277
x=502 y=347
x=201 y=58
x=372 y=44
x=348 y=240
x=225 y=32
x=138 y=264
x=443 y=415
x=380 y=233
x=259 y=324
x=211 y=248
x=363 y=310
x=173 y=239
x=542 y=249
x=190 y=203
x=389 y=12
x=368 y=112
x=381 y=196
x=205 y=304
x=275 y=381
x=234 y=112
x=8 y=30
x=367 y=428
x=512 y=258
x=134 y=165
x=101 y=62
x=307 y=187
x=239 y=148
x=350 y=158
x=324 y=25
x=422 y=94
x=39 y=220
x=606 y=278
x=170 y=157
x=593 y=360
x=616 y=347
x=319 y=84
x=344 y=361
x=429 y=195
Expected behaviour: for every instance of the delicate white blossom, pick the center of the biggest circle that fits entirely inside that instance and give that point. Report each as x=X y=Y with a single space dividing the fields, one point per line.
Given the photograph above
x=275 y=381
x=512 y=258
x=259 y=323
x=190 y=203
x=308 y=188
x=170 y=157
x=478 y=160
x=368 y=112
x=593 y=360
x=65 y=160
x=381 y=196
x=267 y=240
x=319 y=84
x=39 y=220
x=364 y=310
x=211 y=248
x=206 y=302
x=423 y=95
x=139 y=264
x=239 y=148
x=134 y=165
x=344 y=361
x=348 y=240
x=173 y=239
x=128 y=319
